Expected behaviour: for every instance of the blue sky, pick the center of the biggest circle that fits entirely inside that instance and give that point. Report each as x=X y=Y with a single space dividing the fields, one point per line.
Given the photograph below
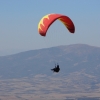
x=19 y=20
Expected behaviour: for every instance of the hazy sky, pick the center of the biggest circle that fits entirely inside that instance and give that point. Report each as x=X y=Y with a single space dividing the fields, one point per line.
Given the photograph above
x=19 y=20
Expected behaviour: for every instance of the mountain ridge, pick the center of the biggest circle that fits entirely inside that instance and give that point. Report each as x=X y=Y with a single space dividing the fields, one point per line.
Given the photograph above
x=71 y=58
x=28 y=74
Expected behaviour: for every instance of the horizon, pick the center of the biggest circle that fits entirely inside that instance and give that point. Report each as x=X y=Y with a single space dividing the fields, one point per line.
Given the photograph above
x=49 y=48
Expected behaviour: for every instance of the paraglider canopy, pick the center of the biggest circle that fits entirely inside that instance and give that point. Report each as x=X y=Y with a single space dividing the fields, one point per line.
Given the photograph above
x=47 y=20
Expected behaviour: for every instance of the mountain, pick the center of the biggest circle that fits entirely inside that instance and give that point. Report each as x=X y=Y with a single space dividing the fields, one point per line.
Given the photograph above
x=71 y=58
x=27 y=75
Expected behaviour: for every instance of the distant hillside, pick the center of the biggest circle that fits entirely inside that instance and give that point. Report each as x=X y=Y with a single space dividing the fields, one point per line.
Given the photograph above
x=28 y=75
x=71 y=58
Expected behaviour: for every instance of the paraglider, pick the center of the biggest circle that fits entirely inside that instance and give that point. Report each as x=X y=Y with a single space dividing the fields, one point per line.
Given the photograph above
x=56 y=69
x=47 y=20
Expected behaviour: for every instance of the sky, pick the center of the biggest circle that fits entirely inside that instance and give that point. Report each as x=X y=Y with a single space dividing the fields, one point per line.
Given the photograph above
x=19 y=22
